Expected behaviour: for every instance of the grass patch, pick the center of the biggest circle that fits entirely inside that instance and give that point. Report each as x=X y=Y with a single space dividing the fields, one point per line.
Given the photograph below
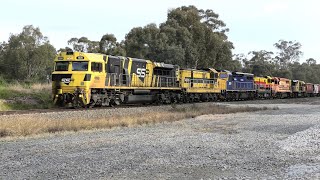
x=22 y=96
x=24 y=126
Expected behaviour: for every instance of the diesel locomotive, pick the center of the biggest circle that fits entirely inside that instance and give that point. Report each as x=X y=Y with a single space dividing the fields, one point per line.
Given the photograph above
x=90 y=79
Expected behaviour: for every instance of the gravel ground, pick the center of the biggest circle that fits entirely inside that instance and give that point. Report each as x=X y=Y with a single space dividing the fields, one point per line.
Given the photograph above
x=272 y=144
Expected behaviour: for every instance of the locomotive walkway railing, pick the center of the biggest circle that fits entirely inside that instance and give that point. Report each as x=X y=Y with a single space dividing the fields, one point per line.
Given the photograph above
x=201 y=83
x=115 y=79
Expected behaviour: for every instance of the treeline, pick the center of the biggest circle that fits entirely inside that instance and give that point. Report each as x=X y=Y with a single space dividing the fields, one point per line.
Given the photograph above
x=283 y=63
x=190 y=37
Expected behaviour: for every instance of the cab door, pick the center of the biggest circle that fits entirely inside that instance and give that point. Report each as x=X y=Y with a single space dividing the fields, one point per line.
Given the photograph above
x=114 y=71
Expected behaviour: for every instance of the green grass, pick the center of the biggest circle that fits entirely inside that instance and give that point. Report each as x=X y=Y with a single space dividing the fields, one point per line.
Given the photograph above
x=7 y=93
x=21 y=97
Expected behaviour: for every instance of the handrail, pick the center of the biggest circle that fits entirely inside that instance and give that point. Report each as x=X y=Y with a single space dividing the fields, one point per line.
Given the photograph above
x=127 y=80
x=201 y=83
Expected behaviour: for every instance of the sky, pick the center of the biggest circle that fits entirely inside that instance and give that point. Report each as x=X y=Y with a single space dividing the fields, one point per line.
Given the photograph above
x=254 y=24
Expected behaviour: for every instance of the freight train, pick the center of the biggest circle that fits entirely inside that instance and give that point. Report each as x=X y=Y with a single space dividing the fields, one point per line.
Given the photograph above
x=90 y=79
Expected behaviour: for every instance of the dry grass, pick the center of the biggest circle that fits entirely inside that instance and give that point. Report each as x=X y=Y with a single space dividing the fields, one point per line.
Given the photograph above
x=26 y=127
x=29 y=89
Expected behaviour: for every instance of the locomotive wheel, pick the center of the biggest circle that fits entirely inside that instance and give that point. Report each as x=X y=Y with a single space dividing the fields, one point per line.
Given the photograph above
x=76 y=103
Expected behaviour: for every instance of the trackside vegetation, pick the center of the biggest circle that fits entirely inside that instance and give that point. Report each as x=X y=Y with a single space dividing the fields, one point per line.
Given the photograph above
x=23 y=126
x=22 y=96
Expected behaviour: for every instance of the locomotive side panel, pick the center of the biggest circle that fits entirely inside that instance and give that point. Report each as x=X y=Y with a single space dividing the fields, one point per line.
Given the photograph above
x=309 y=89
x=240 y=82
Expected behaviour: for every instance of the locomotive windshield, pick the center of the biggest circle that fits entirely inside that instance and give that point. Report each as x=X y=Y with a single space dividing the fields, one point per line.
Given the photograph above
x=294 y=83
x=62 y=66
x=79 y=66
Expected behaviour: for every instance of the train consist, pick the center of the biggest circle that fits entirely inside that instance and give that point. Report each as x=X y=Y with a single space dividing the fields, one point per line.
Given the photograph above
x=88 y=79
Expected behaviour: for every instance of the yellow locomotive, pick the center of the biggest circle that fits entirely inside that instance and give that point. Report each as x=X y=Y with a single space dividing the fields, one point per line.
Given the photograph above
x=200 y=85
x=88 y=79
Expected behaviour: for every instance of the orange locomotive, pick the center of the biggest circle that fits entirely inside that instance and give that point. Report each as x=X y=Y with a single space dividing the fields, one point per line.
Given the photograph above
x=281 y=87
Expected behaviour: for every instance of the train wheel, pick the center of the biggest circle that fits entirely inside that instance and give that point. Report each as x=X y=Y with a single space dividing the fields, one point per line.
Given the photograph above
x=76 y=103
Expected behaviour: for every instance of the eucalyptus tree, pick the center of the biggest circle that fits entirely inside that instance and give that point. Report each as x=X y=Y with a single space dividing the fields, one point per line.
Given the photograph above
x=190 y=37
x=289 y=52
x=28 y=55
x=109 y=45
x=83 y=44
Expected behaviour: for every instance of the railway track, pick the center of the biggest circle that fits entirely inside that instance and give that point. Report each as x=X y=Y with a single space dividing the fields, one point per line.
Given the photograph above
x=36 y=111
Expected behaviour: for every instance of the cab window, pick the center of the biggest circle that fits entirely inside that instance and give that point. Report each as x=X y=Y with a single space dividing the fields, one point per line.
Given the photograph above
x=62 y=66
x=79 y=66
x=222 y=76
x=97 y=67
x=250 y=78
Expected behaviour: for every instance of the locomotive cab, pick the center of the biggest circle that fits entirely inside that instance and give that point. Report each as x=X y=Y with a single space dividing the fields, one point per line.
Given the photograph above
x=298 y=88
x=74 y=73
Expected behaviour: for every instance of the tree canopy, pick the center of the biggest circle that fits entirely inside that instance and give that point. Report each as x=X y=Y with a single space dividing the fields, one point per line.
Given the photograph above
x=284 y=63
x=27 y=55
x=190 y=37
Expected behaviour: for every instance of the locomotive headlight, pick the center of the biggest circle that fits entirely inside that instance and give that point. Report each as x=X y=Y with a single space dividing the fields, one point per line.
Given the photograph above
x=82 y=83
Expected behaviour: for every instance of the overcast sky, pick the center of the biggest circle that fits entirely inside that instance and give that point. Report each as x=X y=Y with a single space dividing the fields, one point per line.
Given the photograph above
x=254 y=24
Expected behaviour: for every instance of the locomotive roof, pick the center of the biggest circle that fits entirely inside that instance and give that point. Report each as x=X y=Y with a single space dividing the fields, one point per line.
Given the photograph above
x=295 y=80
x=237 y=73
x=210 y=69
x=164 y=65
x=133 y=59
x=241 y=73
x=139 y=60
x=192 y=69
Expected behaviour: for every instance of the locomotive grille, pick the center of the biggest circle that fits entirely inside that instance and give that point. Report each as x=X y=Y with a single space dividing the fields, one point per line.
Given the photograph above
x=58 y=77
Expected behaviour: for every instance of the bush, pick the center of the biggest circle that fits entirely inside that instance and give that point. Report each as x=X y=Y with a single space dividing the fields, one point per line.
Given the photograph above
x=3 y=81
